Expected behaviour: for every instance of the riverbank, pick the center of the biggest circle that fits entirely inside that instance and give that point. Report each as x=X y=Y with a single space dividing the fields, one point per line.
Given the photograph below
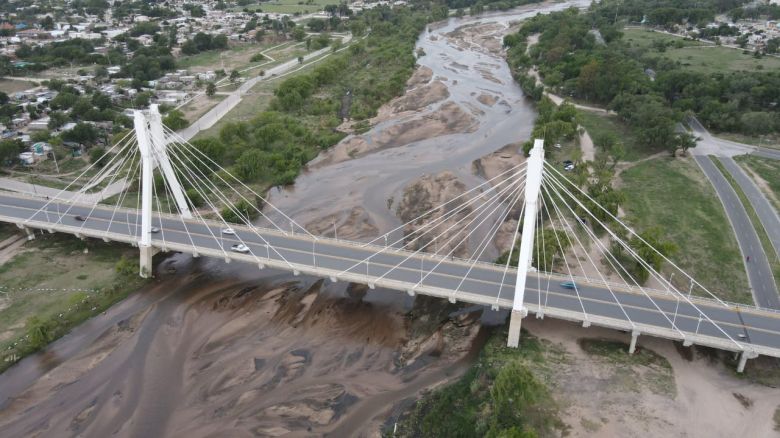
x=54 y=283
x=212 y=348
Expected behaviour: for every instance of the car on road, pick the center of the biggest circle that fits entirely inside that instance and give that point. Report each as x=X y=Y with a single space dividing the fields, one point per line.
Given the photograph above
x=568 y=285
x=154 y=230
x=240 y=247
x=79 y=218
x=229 y=231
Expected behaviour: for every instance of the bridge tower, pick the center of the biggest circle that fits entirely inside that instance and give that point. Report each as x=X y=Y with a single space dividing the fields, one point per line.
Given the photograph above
x=533 y=183
x=154 y=153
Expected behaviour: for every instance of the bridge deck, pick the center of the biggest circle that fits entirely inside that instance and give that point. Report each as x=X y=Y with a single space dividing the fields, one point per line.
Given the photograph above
x=746 y=328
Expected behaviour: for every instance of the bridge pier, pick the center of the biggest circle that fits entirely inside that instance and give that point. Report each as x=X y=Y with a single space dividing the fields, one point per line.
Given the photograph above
x=743 y=357
x=147 y=253
x=30 y=233
x=515 y=323
x=632 y=346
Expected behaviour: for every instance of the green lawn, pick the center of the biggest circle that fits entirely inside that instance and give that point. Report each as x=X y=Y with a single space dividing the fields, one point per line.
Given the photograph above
x=597 y=124
x=673 y=195
x=288 y=6
x=769 y=173
x=704 y=58
x=236 y=57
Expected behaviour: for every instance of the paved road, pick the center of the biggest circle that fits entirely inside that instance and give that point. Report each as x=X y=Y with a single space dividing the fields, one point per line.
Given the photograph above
x=481 y=283
x=762 y=281
x=712 y=145
x=39 y=190
x=212 y=116
x=766 y=213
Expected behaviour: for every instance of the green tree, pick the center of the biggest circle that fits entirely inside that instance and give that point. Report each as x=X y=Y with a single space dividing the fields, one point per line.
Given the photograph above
x=234 y=75
x=684 y=141
x=515 y=394
x=651 y=249
x=299 y=34
x=175 y=120
x=97 y=157
x=83 y=133
x=241 y=213
x=39 y=332
x=211 y=89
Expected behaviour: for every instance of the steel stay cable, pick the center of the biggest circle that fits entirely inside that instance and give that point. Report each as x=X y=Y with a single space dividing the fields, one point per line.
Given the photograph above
x=56 y=197
x=491 y=233
x=430 y=211
x=226 y=201
x=511 y=251
x=493 y=198
x=431 y=225
x=563 y=254
x=639 y=237
x=561 y=215
x=498 y=205
x=636 y=256
x=187 y=144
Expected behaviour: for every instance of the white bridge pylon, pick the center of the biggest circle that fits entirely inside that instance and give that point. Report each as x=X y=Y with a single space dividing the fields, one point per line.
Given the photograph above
x=533 y=184
x=154 y=153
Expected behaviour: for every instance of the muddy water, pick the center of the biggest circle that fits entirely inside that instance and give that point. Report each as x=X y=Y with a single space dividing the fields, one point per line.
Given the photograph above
x=469 y=67
x=223 y=350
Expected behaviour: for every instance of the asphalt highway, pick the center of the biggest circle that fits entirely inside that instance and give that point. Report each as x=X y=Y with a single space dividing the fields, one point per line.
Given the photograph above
x=488 y=282
x=766 y=213
x=759 y=272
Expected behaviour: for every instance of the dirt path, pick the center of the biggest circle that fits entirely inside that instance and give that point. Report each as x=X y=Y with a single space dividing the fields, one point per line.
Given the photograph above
x=586 y=143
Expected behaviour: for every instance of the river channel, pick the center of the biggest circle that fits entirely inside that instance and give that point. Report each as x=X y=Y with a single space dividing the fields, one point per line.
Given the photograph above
x=215 y=349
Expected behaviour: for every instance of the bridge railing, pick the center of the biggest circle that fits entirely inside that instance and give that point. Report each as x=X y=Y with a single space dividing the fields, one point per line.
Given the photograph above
x=377 y=248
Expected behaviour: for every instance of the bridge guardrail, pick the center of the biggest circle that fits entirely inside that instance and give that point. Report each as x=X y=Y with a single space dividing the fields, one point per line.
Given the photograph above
x=404 y=252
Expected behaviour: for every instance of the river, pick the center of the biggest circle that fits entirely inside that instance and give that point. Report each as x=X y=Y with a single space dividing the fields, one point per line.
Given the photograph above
x=214 y=349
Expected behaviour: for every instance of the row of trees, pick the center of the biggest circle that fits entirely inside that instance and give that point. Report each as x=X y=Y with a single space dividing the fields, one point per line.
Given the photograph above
x=202 y=42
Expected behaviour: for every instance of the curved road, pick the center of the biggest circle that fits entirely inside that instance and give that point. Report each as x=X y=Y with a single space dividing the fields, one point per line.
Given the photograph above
x=762 y=283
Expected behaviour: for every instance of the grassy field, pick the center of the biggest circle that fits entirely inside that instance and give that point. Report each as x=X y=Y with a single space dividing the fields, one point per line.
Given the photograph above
x=673 y=195
x=705 y=58
x=599 y=124
x=288 y=6
x=236 y=57
x=253 y=103
x=768 y=171
x=9 y=86
x=56 y=281
x=640 y=37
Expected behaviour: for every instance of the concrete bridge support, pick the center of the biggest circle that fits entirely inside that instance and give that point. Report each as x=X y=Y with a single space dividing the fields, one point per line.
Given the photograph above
x=743 y=359
x=147 y=253
x=632 y=346
x=533 y=183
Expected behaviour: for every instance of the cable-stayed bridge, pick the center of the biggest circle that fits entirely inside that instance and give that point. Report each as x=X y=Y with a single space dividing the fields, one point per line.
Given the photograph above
x=572 y=254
